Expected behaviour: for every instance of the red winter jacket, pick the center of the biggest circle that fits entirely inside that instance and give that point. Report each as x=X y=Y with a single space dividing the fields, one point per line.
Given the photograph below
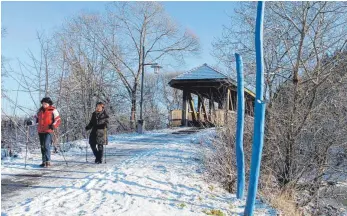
x=47 y=117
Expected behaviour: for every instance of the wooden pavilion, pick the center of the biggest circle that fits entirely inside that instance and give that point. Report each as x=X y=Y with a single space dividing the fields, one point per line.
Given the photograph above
x=215 y=94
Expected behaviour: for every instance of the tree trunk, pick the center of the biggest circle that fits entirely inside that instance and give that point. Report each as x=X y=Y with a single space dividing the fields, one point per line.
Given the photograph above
x=133 y=108
x=289 y=166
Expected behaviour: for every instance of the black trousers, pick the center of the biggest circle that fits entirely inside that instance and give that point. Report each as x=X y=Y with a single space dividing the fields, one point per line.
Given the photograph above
x=98 y=151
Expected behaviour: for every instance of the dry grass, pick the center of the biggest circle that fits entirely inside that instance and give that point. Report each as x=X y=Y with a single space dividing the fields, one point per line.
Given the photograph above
x=283 y=201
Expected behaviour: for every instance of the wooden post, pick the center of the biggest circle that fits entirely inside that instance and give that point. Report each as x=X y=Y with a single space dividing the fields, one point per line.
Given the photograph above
x=226 y=93
x=231 y=99
x=191 y=103
x=227 y=100
x=185 y=109
x=220 y=103
x=210 y=108
x=199 y=108
x=204 y=110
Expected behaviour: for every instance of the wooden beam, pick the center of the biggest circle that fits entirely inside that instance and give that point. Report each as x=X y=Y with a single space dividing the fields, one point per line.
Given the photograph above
x=248 y=107
x=220 y=104
x=185 y=108
x=191 y=103
x=204 y=109
x=210 y=104
x=199 y=108
x=232 y=107
x=228 y=99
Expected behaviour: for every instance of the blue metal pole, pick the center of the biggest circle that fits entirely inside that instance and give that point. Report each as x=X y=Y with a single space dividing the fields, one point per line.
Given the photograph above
x=240 y=161
x=259 y=114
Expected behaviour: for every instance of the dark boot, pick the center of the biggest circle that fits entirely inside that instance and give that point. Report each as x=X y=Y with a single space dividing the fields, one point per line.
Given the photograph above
x=47 y=164
x=100 y=153
x=97 y=160
x=43 y=164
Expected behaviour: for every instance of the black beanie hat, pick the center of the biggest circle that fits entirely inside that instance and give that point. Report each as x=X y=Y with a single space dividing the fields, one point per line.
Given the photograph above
x=47 y=100
x=99 y=103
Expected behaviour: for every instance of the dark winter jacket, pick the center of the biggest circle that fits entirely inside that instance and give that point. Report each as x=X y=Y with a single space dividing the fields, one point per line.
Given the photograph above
x=98 y=123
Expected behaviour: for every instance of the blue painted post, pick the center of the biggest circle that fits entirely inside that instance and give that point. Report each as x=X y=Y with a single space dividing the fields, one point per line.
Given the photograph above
x=259 y=114
x=259 y=51
x=240 y=161
x=256 y=156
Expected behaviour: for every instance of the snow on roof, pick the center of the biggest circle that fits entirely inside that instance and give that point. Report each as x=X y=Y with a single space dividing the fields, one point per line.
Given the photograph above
x=206 y=72
x=202 y=72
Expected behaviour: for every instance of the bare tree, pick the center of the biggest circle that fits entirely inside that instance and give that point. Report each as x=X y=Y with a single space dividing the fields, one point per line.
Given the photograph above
x=128 y=27
x=84 y=76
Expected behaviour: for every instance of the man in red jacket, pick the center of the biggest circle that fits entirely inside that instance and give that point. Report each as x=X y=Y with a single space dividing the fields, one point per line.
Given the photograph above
x=48 y=119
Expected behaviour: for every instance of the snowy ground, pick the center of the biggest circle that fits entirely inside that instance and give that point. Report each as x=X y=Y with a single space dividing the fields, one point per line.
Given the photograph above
x=158 y=173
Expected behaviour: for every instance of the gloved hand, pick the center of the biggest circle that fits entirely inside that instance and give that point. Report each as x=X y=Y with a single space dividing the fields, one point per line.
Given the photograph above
x=51 y=127
x=87 y=128
x=29 y=122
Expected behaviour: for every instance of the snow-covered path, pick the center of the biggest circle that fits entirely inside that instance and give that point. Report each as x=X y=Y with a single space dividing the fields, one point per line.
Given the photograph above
x=152 y=174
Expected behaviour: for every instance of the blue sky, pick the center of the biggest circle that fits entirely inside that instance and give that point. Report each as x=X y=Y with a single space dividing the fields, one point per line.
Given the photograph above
x=23 y=19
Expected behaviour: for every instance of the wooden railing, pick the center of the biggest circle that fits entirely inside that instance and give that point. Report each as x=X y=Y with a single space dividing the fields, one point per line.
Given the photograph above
x=217 y=118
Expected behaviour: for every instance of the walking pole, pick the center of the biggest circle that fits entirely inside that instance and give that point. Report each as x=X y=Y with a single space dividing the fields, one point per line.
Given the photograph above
x=63 y=154
x=55 y=143
x=26 y=148
x=105 y=134
x=85 y=135
x=105 y=153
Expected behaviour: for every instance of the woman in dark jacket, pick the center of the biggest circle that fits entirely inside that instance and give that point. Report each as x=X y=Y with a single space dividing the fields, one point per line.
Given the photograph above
x=97 y=138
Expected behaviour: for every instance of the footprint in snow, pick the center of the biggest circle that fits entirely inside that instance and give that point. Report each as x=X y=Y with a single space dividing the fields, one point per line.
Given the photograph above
x=160 y=168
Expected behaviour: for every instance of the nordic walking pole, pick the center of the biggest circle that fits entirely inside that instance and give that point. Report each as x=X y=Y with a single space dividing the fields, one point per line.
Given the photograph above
x=105 y=134
x=86 y=146
x=63 y=154
x=105 y=153
x=26 y=147
x=54 y=143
